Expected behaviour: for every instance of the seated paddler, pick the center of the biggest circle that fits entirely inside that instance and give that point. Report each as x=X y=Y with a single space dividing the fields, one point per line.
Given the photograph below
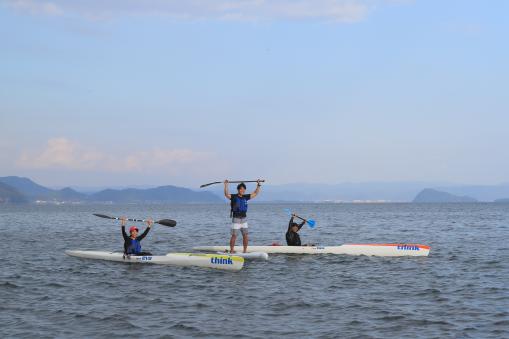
x=132 y=241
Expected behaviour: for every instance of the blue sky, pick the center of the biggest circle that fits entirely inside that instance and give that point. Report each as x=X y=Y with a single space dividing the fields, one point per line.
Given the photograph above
x=167 y=92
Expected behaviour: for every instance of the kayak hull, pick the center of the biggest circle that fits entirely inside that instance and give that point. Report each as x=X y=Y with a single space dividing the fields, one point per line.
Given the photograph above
x=216 y=261
x=381 y=250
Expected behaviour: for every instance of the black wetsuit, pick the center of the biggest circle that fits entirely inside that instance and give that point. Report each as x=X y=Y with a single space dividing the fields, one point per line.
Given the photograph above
x=293 y=238
x=134 y=248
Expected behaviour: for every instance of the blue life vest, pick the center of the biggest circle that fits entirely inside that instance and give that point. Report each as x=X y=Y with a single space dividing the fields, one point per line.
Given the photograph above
x=134 y=247
x=238 y=205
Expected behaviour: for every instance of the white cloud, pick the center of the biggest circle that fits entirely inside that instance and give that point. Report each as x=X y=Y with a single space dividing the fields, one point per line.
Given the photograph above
x=35 y=7
x=62 y=153
x=331 y=10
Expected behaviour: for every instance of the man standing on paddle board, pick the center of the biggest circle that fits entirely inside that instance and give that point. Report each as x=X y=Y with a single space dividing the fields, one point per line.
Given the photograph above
x=238 y=212
x=132 y=242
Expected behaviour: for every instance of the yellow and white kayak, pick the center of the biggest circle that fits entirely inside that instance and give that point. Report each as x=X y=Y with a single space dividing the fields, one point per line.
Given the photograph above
x=217 y=261
x=248 y=255
x=382 y=250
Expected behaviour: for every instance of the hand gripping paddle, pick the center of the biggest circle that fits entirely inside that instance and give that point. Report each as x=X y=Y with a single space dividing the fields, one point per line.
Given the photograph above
x=310 y=222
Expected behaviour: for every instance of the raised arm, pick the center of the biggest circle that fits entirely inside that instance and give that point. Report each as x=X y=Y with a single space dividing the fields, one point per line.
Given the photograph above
x=122 y=223
x=257 y=190
x=302 y=224
x=226 y=191
x=299 y=225
x=290 y=223
x=149 y=226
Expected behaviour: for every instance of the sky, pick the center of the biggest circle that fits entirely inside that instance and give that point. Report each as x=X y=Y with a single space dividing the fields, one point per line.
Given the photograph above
x=118 y=93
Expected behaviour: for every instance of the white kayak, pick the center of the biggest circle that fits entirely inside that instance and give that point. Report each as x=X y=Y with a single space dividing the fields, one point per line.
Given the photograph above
x=218 y=261
x=248 y=255
x=382 y=250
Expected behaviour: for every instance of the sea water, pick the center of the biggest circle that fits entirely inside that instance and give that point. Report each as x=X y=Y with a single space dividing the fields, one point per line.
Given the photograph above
x=461 y=290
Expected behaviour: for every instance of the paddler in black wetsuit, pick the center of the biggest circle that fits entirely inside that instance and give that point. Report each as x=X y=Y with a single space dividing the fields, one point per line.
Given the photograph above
x=132 y=245
x=292 y=235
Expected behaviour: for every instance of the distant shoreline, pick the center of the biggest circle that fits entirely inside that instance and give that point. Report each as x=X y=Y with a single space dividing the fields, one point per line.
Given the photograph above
x=19 y=190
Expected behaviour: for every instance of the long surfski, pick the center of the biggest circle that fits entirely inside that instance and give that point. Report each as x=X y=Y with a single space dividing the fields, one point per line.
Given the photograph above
x=381 y=250
x=216 y=261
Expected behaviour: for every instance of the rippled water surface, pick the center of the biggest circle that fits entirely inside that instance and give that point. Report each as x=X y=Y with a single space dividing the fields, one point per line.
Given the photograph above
x=460 y=290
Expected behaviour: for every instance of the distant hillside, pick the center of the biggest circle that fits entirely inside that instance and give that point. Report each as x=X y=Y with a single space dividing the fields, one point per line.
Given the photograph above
x=23 y=189
x=170 y=194
x=345 y=192
x=26 y=186
x=34 y=191
x=68 y=194
x=505 y=200
x=9 y=195
x=429 y=195
x=479 y=192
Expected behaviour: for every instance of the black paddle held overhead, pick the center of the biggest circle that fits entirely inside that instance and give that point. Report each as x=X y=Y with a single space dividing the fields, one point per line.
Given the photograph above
x=231 y=182
x=164 y=222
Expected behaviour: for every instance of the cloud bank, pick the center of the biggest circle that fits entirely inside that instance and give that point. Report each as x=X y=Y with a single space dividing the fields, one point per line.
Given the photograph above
x=35 y=7
x=62 y=153
x=243 y=10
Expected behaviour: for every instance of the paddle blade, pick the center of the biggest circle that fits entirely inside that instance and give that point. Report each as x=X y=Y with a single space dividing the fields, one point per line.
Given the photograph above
x=167 y=222
x=311 y=223
x=103 y=216
x=288 y=211
x=209 y=184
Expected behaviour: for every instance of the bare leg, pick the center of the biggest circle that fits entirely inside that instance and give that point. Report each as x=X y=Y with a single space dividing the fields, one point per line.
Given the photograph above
x=245 y=240
x=233 y=239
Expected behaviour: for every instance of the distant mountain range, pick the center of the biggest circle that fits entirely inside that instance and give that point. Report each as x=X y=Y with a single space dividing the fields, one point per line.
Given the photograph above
x=370 y=192
x=345 y=192
x=15 y=189
x=429 y=195
x=479 y=192
x=19 y=190
x=169 y=194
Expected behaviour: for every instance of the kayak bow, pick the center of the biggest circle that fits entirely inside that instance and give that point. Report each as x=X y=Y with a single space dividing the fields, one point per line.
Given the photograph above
x=248 y=255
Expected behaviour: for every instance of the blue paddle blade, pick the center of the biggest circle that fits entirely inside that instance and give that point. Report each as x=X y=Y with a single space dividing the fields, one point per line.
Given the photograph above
x=288 y=211
x=311 y=223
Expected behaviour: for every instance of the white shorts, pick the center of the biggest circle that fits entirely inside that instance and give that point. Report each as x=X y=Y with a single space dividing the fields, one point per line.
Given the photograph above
x=239 y=224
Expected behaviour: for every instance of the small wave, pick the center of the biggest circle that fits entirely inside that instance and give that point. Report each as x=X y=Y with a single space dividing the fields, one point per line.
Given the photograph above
x=391 y=317
x=286 y=306
x=115 y=320
x=8 y=284
x=500 y=333
x=190 y=330
x=423 y=322
x=54 y=284
x=429 y=291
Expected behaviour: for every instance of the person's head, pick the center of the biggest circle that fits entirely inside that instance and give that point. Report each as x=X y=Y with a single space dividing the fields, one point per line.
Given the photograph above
x=295 y=227
x=133 y=231
x=241 y=188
